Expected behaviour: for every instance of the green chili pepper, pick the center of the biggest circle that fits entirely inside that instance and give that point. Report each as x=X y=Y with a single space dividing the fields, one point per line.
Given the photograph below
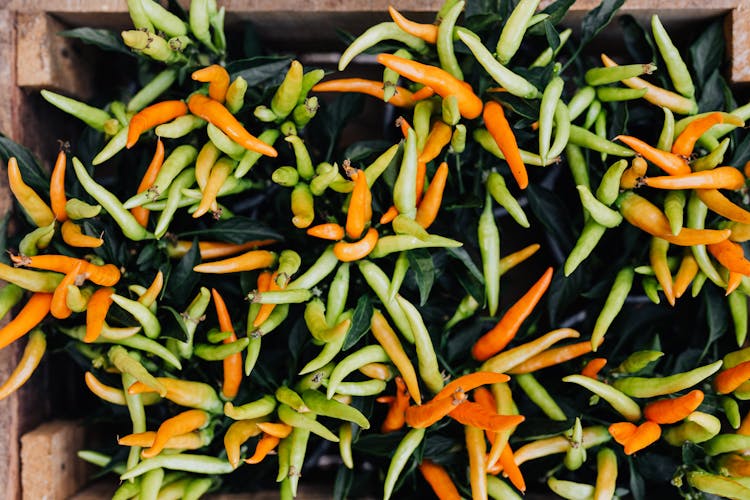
x=696 y=218
x=256 y=409
x=278 y=315
x=609 y=187
x=304 y=163
x=717 y=485
x=375 y=35
x=117 y=108
x=314 y=379
x=200 y=464
x=510 y=81
x=582 y=137
x=91 y=116
x=712 y=159
x=137 y=415
x=283 y=455
x=590 y=235
x=550 y=97
x=139 y=18
x=674 y=208
x=678 y=71
x=732 y=411
x=489 y=248
x=180 y=127
x=458 y=139
x=547 y=54
x=114 y=146
x=369 y=354
x=293 y=296
x=127 y=363
x=10 y=295
x=429 y=370
x=224 y=143
x=444 y=44
x=253 y=352
x=306 y=111
x=216 y=336
x=289 y=397
x=390 y=77
x=337 y=294
x=376 y=168
x=217 y=23
x=638 y=361
x=181 y=158
x=738 y=308
x=497 y=188
x=174 y=195
x=599 y=212
x=320 y=405
x=399 y=273
x=345 y=444
x=619 y=401
x=497 y=489
x=164 y=20
x=423 y=112
x=155 y=87
x=540 y=397
x=77 y=209
x=401 y=455
x=576 y=454
x=600 y=128
x=151 y=45
x=285 y=176
x=570 y=489
x=235 y=97
x=514 y=29
x=604 y=76
x=592 y=113
x=250 y=158
x=210 y=352
x=190 y=319
x=562 y=132
x=324 y=266
x=580 y=101
x=612 y=306
x=128 y=224
x=297 y=449
x=127 y=490
x=36 y=240
x=366 y=388
x=325 y=175
x=450 y=111
x=286 y=96
x=465 y=309
x=483 y=137
x=200 y=23
x=651 y=289
x=667 y=131
x=404 y=190
x=578 y=167
x=305 y=421
x=725 y=443
x=402 y=224
x=151 y=484
x=401 y=242
x=197 y=488
x=645 y=387
x=378 y=281
x=141 y=313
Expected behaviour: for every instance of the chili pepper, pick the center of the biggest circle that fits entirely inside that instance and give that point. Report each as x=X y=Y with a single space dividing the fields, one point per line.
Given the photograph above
x=514 y=29
x=718 y=178
x=402 y=97
x=10 y=295
x=582 y=137
x=676 y=67
x=576 y=454
x=287 y=396
x=57 y=188
x=127 y=363
x=651 y=289
x=426 y=32
x=643 y=387
x=497 y=489
x=306 y=111
x=474 y=414
x=486 y=140
x=501 y=132
x=368 y=354
x=395 y=418
x=376 y=34
x=606 y=75
x=619 y=401
x=114 y=146
x=254 y=259
x=232 y=363
x=288 y=177
x=458 y=140
x=251 y=411
x=507 y=360
x=378 y=281
x=96 y=312
x=200 y=464
x=140 y=213
x=570 y=489
x=724 y=443
x=251 y=157
x=302 y=206
x=552 y=357
x=224 y=143
x=658 y=258
x=599 y=212
x=32 y=313
x=320 y=405
x=489 y=247
x=720 y=204
x=450 y=111
x=711 y=160
x=182 y=423
x=141 y=313
x=199 y=20
x=618 y=293
x=304 y=421
x=93 y=117
x=427 y=360
x=406 y=226
x=593 y=367
x=444 y=42
x=617 y=94
x=731 y=378
x=370 y=387
x=475 y=446
x=387 y=338
x=430 y=205
x=590 y=236
x=501 y=334
x=717 y=485
x=685 y=142
x=32 y=356
x=550 y=98
x=36 y=240
x=730 y=255
x=37 y=210
x=73 y=235
x=297 y=449
x=379 y=371
x=219 y=174
x=645 y=434
x=266 y=445
x=696 y=216
x=164 y=20
x=562 y=133
x=327 y=174
x=216 y=77
x=112 y=394
x=236 y=435
x=439 y=480
x=685 y=274
x=401 y=455
x=153 y=115
x=540 y=397
x=592 y=436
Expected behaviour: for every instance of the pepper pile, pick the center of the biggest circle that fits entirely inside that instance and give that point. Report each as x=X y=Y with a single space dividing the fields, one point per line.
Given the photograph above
x=153 y=279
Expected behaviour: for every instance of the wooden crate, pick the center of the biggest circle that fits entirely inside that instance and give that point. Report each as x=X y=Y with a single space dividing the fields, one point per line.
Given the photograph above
x=32 y=58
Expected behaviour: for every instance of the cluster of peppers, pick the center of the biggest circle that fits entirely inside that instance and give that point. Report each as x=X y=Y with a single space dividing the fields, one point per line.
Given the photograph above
x=212 y=155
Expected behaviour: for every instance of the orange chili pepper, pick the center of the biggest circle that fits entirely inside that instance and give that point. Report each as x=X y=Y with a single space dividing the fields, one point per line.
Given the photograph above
x=669 y=162
x=439 y=480
x=73 y=236
x=717 y=178
x=744 y=428
x=717 y=202
x=593 y=367
x=33 y=205
x=219 y=173
x=153 y=290
x=423 y=93
x=278 y=429
x=444 y=84
x=730 y=255
x=140 y=213
x=389 y=215
x=643 y=214
x=622 y=431
x=106 y=275
x=96 y=311
x=217 y=78
x=266 y=282
x=486 y=400
x=233 y=362
x=430 y=205
x=248 y=261
x=395 y=418
x=151 y=116
x=379 y=371
x=438 y=138
x=476 y=415
x=426 y=32
x=215 y=249
x=685 y=274
x=59 y=307
x=215 y=113
x=57 y=197
x=733 y=281
x=645 y=434
x=403 y=124
x=731 y=378
x=685 y=142
x=182 y=423
x=422 y=416
x=328 y=231
x=32 y=314
x=266 y=445
x=388 y=339
x=500 y=130
x=402 y=98
x=359 y=212
x=672 y=410
x=632 y=175
x=508 y=463
x=470 y=382
x=552 y=357
x=348 y=252
x=187 y=441
x=660 y=265
x=476 y=448
x=501 y=334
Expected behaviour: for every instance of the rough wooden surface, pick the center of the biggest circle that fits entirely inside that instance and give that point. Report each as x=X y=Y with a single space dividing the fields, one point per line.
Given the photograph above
x=50 y=469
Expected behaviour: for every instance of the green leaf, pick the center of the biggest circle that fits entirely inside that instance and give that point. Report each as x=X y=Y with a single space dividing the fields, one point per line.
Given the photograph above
x=298 y=336
x=637 y=41
x=343 y=482
x=463 y=256
x=595 y=21
x=712 y=93
x=257 y=70
x=553 y=215
x=238 y=229
x=30 y=170
x=360 y=322
x=707 y=53
x=182 y=279
x=362 y=150
x=332 y=118
x=637 y=485
x=741 y=153
x=553 y=38
x=104 y=39
x=420 y=261
x=251 y=44
x=564 y=291
x=717 y=315
x=172 y=324
x=556 y=11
